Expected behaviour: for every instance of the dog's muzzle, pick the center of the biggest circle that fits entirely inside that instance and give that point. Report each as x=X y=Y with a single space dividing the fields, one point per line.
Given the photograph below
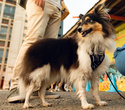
x=79 y=29
x=84 y=33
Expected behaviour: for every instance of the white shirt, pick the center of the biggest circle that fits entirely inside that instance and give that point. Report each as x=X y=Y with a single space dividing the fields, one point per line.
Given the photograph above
x=56 y=3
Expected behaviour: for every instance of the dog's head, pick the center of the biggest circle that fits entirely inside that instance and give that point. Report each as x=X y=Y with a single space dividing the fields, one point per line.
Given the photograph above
x=96 y=22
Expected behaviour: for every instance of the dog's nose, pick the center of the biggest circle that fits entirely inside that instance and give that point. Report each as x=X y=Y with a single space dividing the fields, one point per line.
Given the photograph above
x=79 y=29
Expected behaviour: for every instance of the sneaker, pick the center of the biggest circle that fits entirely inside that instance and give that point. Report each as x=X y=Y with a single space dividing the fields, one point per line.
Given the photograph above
x=51 y=95
x=48 y=95
x=14 y=97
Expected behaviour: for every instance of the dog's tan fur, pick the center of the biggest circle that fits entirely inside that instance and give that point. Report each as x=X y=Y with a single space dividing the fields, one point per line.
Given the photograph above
x=79 y=71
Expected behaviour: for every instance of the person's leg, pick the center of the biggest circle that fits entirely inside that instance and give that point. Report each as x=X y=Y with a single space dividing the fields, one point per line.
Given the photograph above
x=54 y=24
x=62 y=86
x=37 y=23
x=59 y=86
x=51 y=31
x=36 y=27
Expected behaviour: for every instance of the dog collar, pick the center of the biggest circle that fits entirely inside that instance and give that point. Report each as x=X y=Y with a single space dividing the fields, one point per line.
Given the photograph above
x=96 y=60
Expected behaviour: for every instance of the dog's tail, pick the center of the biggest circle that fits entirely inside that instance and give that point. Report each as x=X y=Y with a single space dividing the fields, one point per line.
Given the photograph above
x=22 y=88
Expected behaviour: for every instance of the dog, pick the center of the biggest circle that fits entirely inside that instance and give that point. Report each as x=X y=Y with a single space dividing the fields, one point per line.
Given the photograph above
x=75 y=59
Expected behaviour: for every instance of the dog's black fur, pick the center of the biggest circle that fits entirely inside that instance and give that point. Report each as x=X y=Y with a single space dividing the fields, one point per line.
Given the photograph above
x=49 y=60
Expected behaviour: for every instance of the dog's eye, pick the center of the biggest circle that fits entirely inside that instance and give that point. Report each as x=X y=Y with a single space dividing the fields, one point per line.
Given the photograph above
x=89 y=21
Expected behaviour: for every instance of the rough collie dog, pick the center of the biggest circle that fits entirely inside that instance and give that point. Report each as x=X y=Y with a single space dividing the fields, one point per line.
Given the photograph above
x=75 y=59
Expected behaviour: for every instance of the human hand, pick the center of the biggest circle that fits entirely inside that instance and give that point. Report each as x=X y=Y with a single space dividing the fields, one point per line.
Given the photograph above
x=40 y=3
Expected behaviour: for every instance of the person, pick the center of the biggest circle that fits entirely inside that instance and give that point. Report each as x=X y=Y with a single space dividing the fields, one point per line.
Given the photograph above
x=44 y=18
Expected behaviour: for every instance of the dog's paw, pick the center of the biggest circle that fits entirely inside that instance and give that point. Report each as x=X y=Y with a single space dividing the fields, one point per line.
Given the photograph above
x=88 y=106
x=102 y=103
x=27 y=106
x=46 y=104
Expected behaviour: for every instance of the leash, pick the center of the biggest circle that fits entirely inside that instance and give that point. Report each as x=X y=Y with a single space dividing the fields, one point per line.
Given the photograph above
x=114 y=86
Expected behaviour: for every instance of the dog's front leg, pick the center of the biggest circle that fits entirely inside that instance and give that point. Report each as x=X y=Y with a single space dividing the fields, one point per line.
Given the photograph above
x=80 y=85
x=95 y=92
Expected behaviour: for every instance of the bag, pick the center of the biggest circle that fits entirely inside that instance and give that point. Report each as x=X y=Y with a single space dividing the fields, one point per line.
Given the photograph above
x=119 y=56
x=64 y=11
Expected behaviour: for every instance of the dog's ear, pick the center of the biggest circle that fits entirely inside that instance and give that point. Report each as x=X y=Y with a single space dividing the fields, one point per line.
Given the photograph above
x=101 y=11
x=80 y=16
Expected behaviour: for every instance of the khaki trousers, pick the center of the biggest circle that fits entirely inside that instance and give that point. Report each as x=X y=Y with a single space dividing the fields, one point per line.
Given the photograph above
x=41 y=24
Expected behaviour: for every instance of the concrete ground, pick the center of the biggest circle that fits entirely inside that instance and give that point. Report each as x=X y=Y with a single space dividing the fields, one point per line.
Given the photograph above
x=67 y=101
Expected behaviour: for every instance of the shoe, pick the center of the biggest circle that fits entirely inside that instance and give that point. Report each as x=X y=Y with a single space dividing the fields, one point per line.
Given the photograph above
x=51 y=95
x=48 y=95
x=14 y=97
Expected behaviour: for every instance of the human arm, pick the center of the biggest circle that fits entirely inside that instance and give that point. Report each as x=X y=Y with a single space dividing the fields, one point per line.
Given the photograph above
x=40 y=3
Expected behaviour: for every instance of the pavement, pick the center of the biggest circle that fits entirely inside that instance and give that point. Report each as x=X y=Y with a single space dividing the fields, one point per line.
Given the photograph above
x=67 y=101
